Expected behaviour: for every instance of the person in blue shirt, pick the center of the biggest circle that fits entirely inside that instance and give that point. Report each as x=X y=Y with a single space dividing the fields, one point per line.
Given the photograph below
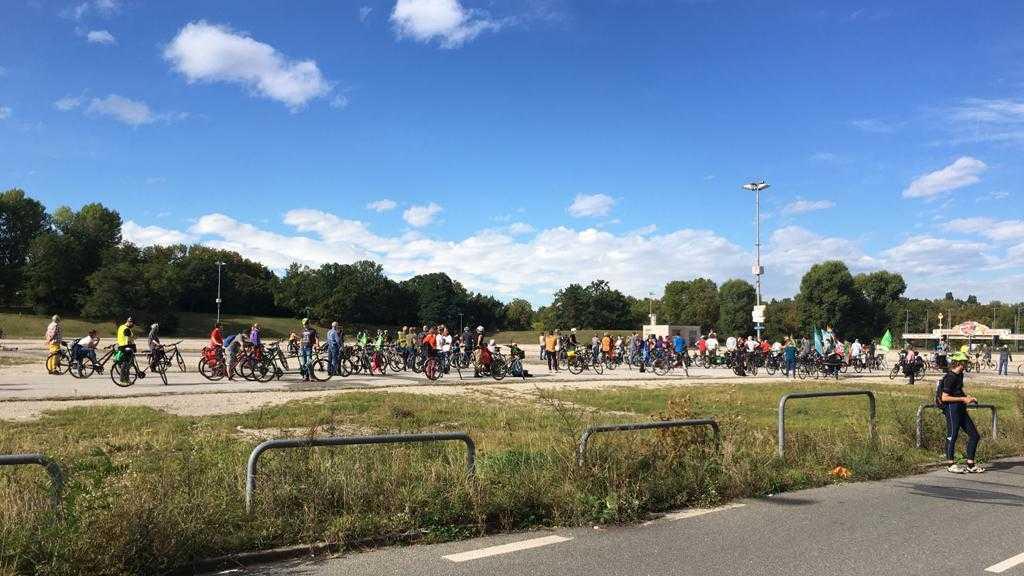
x=333 y=348
x=679 y=345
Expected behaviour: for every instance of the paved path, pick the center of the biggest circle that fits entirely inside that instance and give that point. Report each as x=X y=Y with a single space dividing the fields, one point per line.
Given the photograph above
x=933 y=524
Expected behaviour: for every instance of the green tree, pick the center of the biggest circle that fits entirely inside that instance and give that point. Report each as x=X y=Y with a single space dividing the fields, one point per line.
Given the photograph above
x=569 y=308
x=691 y=303
x=518 y=315
x=439 y=299
x=736 y=302
x=782 y=320
x=828 y=296
x=881 y=291
x=21 y=220
x=606 y=307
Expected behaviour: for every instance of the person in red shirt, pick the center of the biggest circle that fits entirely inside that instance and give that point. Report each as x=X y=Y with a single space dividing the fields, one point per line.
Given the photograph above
x=765 y=346
x=216 y=338
x=430 y=342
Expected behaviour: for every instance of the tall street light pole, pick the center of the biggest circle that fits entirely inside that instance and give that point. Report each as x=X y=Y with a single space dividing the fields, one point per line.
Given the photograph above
x=219 y=266
x=758 y=270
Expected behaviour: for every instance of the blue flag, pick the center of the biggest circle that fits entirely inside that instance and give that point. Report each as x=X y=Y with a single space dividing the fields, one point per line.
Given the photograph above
x=817 y=342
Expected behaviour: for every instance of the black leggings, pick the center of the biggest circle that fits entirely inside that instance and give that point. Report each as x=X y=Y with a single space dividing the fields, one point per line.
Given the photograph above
x=957 y=418
x=552 y=360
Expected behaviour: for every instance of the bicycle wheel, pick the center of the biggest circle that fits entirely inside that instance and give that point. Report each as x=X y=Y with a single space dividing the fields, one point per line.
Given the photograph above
x=123 y=373
x=212 y=373
x=396 y=362
x=83 y=368
x=498 y=368
x=61 y=362
x=181 y=361
x=320 y=371
x=858 y=367
x=575 y=365
x=661 y=366
x=894 y=372
x=161 y=369
x=431 y=369
x=771 y=368
x=265 y=370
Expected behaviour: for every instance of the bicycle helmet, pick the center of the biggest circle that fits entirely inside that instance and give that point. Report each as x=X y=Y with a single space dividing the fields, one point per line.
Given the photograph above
x=479 y=328
x=958 y=357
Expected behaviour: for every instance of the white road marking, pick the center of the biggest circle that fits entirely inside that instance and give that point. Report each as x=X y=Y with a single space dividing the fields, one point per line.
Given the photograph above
x=1006 y=564
x=693 y=513
x=506 y=548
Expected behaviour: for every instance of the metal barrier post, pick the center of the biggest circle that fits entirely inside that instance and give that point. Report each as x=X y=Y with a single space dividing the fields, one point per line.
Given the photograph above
x=250 y=476
x=923 y=407
x=52 y=468
x=794 y=395
x=585 y=437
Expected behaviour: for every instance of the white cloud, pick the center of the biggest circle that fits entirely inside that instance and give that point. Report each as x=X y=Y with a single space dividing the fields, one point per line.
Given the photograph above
x=824 y=157
x=928 y=257
x=963 y=172
x=105 y=8
x=205 y=52
x=382 y=205
x=787 y=252
x=446 y=20
x=420 y=216
x=591 y=205
x=987 y=120
x=153 y=235
x=364 y=12
x=340 y=102
x=127 y=111
x=875 y=126
x=100 y=37
x=68 y=103
x=998 y=230
x=804 y=206
x=5 y=112
x=3 y=71
x=520 y=228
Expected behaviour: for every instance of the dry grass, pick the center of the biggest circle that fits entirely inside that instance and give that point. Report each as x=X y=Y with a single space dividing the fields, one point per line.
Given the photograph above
x=147 y=491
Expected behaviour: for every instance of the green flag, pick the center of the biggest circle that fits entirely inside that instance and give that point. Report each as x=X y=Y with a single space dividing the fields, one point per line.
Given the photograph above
x=886 y=343
x=817 y=342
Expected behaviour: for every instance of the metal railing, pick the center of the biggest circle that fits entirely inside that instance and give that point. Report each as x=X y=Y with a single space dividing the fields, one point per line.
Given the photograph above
x=923 y=407
x=795 y=395
x=52 y=468
x=585 y=437
x=250 y=476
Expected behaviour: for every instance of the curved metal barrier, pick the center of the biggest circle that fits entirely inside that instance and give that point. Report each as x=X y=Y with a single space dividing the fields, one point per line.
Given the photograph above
x=52 y=468
x=585 y=437
x=250 y=475
x=923 y=407
x=795 y=395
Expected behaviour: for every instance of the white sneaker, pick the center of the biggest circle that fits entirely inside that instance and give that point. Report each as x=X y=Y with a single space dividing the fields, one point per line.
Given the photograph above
x=974 y=469
x=957 y=469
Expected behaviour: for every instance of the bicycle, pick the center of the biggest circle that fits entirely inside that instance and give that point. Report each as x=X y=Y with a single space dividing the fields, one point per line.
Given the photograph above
x=82 y=369
x=125 y=370
x=60 y=359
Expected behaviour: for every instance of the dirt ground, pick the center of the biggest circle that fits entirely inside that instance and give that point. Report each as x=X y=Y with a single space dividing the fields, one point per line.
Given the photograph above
x=27 y=391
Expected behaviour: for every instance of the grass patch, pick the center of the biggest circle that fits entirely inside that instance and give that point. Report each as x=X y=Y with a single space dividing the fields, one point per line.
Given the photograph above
x=147 y=491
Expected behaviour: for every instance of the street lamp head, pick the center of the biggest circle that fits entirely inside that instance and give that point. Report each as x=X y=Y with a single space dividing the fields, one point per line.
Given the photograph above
x=756 y=186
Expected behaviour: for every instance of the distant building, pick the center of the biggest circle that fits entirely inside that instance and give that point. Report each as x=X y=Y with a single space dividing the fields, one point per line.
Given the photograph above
x=691 y=333
x=970 y=331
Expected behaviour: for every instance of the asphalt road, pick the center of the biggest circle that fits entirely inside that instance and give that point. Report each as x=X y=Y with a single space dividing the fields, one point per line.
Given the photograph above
x=933 y=524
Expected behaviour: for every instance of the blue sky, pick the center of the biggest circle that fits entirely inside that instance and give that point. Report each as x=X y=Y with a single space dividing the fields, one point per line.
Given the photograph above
x=521 y=145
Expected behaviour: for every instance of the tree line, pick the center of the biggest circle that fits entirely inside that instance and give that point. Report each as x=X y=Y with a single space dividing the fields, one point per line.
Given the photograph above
x=76 y=262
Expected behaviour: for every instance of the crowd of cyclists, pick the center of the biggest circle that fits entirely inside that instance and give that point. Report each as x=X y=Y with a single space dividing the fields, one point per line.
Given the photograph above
x=435 y=350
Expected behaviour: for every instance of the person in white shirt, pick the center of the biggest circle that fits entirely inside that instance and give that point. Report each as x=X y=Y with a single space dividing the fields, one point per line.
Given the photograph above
x=856 y=349
x=751 y=344
x=85 y=347
x=712 y=344
x=541 y=345
x=777 y=347
x=730 y=343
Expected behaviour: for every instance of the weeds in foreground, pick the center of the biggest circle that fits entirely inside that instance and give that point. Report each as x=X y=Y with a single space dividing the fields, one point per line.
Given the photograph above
x=147 y=491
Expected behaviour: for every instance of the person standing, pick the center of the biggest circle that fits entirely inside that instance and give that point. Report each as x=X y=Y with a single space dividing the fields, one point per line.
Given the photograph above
x=156 y=349
x=789 y=353
x=954 y=402
x=550 y=351
x=1004 y=360
x=333 y=349
x=54 y=336
x=233 y=346
x=125 y=345
x=307 y=343
x=479 y=345
x=679 y=347
x=542 y=345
